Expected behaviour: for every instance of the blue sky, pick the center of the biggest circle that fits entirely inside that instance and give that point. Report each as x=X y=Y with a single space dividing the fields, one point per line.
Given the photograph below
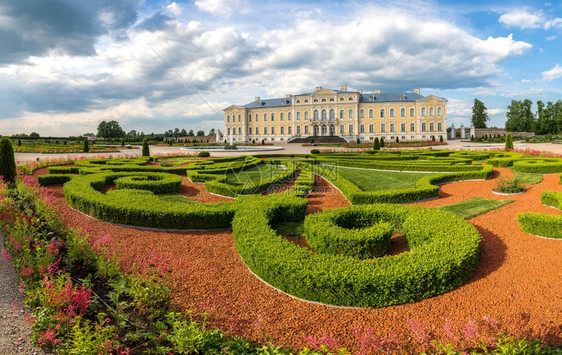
x=66 y=65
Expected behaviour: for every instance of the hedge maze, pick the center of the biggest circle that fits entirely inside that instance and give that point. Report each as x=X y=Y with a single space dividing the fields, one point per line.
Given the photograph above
x=347 y=264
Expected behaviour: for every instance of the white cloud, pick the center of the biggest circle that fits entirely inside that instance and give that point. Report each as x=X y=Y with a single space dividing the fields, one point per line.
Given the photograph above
x=531 y=91
x=550 y=38
x=526 y=81
x=218 y=7
x=522 y=19
x=483 y=91
x=553 y=73
x=174 y=9
x=496 y=111
x=557 y=22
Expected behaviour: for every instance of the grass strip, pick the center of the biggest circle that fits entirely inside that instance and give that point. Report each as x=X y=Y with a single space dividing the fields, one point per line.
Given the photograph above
x=473 y=207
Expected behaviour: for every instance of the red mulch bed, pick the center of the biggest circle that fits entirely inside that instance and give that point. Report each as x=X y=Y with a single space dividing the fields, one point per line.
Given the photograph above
x=518 y=277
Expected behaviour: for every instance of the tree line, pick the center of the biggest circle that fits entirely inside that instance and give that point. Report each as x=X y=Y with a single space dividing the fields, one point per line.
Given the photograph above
x=112 y=129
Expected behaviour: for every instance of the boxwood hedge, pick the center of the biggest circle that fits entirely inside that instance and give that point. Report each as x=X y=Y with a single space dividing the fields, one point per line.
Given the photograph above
x=444 y=254
x=545 y=225
x=542 y=166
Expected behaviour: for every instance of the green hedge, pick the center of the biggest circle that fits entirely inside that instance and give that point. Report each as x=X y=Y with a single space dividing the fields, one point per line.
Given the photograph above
x=303 y=183
x=53 y=179
x=545 y=225
x=444 y=254
x=63 y=170
x=352 y=231
x=416 y=165
x=124 y=165
x=156 y=182
x=542 y=166
x=225 y=165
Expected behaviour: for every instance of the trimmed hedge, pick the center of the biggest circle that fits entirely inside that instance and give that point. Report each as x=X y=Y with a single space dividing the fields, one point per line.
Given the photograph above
x=444 y=254
x=225 y=165
x=124 y=165
x=416 y=165
x=157 y=183
x=349 y=231
x=53 y=179
x=543 y=166
x=503 y=159
x=303 y=183
x=544 y=225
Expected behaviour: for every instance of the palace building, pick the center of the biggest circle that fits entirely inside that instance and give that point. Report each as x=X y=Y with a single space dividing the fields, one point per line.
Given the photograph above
x=343 y=113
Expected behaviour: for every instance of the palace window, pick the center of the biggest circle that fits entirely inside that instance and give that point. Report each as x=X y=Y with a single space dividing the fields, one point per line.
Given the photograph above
x=431 y=111
x=306 y=101
x=423 y=112
x=412 y=112
x=228 y=118
x=265 y=117
x=424 y=127
x=323 y=100
x=298 y=115
x=382 y=112
x=362 y=128
x=298 y=101
x=350 y=114
x=323 y=115
x=239 y=130
x=306 y=115
x=315 y=100
x=342 y=129
x=350 y=98
x=439 y=111
x=290 y=116
x=371 y=113
x=265 y=130
x=272 y=116
x=341 y=99
x=361 y=113
x=392 y=127
x=239 y=118
x=350 y=129
x=250 y=130
x=439 y=126
x=305 y=129
x=282 y=130
x=412 y=127
x=383 y=128
x=289 y=130
x=402 y=127
x=371 y=128
x=391 y=113
x=332 y=99
x=298 y=129
x=342 y=114
x=281 y=116
x=272 y=130
x=432 y=127
x=315 y=115
x=257 y=131
x=402 y=112
x=257 y=117
x=250 y=117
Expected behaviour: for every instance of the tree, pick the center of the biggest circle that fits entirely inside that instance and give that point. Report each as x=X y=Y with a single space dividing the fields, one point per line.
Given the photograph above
x=479 y=114
x=441 y=139
x=7 y=160
x=212 y=132
x=200 y=134
x=520 y=118
x=110 y=129
x=86 y=146
x=191 y=134
x=508 y=142
x=382 y=142
x=397 y=140
x=183 y=133
x=34 y=135
x=145 y=149
x=376 y=144
x=176 y=132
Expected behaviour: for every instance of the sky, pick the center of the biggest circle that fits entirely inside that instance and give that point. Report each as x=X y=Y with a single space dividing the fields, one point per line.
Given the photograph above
x=152 y=65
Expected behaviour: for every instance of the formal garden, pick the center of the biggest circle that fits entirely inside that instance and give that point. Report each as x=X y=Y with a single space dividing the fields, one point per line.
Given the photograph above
x=385 y=251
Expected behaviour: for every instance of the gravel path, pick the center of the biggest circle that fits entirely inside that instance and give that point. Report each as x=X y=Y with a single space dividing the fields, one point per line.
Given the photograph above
x=15 y=331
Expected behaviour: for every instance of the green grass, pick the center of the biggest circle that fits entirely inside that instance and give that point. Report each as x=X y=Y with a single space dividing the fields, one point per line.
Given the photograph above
x=178 y=161
x=264 y=171
x=290 y=229
x=527 y=178
x=474 y=207
x=374 y=180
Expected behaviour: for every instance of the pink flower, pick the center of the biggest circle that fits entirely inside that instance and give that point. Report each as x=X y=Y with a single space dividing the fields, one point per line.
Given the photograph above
x=6 y=255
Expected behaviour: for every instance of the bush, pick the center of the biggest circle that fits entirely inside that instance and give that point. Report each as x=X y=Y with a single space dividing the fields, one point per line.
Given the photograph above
x=204 y=154
x=508 y=142
x=382 y=142
x=445 y=254
x=86 y=148
x=397 y=140
x=314 y=151
x=509 y=186
x=542 y=166
x=8 y=170
x=358 y=141
x=376 y=144
x=544 y=225
x=53 y=179
x=145 y=148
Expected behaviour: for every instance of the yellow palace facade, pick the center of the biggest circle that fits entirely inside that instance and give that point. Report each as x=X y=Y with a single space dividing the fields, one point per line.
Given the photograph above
x=348 y=114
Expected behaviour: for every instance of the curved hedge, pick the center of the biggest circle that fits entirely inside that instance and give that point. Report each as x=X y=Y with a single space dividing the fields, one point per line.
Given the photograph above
x=353 y=232
x=157 y=183
x=444 y=254
x=541 y=165
x=549 y=226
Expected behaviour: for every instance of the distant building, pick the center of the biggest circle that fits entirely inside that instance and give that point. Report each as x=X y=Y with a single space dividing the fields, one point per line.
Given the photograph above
x=348 y=114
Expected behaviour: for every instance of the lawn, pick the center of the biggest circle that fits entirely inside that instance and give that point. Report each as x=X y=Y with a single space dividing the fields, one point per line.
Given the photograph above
x=374 y=180
x=253 y=176
x=527 y=178
x=474 y=207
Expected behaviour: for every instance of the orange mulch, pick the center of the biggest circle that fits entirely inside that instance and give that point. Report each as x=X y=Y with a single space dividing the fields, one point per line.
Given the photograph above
x=518 y=279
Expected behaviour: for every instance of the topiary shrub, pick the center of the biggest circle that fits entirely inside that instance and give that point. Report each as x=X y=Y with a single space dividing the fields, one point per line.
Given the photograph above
x=508 y=142
x=358 y=140
x=314 y=151
x=376 y=144
x=204 y=154
x=86 y=146
x=382 y=142
x=7 y=160
x=397 y=140
x=145 y=149
x=441 y=139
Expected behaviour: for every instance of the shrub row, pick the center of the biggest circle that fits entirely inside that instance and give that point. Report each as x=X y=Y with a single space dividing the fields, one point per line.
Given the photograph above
x=158 y=183
x=303 y=183
x=221 y=187
x=406 y=166
x=141 y=208
x=53 y=179
x=444 y=254
x=226 y=165
x=545 y=225
x=351 y=231
x=425 y=187
x=503 y=159
x=122 y=165
x=542 y=166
